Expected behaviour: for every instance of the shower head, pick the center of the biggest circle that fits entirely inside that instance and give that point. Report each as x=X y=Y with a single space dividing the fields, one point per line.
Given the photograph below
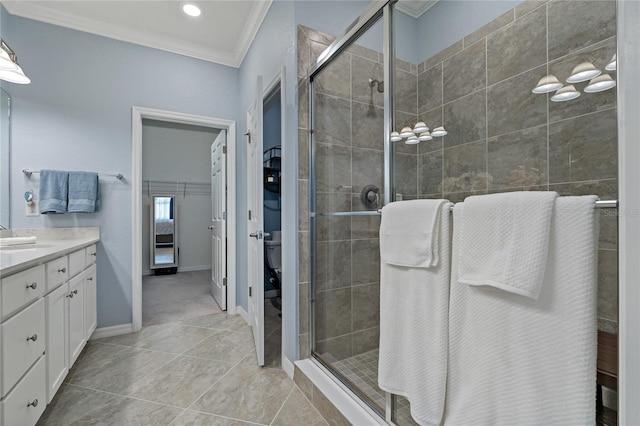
x=380 y=83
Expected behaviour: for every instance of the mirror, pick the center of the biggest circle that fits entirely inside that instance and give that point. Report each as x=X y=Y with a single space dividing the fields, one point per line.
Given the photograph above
x=5 y=152
x=163 y=232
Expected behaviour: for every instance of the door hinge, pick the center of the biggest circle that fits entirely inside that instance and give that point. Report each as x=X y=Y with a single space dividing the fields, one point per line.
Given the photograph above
x=224 y=149
x=249 y=214
x=224 y=282
x=224 y=215
x=250 y=292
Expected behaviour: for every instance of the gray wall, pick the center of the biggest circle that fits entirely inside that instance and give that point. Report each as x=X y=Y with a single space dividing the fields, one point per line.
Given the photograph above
x=76 y=114
x=502 y=137
x=177 y=152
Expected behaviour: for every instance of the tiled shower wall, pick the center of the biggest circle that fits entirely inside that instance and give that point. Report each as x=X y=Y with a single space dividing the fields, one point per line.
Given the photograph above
x=349 y=156
x=502 y=137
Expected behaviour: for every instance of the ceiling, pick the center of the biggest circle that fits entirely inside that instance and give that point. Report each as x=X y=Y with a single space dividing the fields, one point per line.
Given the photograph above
x=222 y=34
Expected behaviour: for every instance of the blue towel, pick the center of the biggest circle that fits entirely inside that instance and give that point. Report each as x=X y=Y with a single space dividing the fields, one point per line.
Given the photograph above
x=54 y=186
x=83 y=192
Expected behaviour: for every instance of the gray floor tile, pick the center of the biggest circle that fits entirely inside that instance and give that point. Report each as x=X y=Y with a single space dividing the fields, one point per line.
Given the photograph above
x=220 y=322
x=229 y=346
x=248 y=393
x=193 y=418
x=71 y=403
x=180 y=382
x=126 y=411
x=298 y=410
x=117 y=372
x=176 y=340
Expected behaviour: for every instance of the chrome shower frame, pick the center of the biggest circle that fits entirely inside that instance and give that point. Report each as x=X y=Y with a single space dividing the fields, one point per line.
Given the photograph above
x=381 y=9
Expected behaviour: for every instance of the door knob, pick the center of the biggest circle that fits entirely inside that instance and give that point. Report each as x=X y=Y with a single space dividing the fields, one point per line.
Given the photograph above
x=254 y=235
x=210 y=227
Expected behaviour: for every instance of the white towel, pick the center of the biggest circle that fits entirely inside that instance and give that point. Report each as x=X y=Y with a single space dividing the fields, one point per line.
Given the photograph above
x=16 y=241
x=414 y=303
x=518 y=361
x=409 y=233
x=504 y=240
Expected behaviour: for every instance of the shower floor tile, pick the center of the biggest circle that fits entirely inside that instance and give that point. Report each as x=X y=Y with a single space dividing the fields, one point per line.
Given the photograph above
x=362 y=371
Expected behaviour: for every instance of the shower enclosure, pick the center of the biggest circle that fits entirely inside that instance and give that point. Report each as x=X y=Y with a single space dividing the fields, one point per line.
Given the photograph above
x=492 y=127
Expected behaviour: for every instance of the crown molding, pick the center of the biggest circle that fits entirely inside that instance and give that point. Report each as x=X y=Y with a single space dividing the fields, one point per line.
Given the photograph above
x=234 y=58
x=415 y=13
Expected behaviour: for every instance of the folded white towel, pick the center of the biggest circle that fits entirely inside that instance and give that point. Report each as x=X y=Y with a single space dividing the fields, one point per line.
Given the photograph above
x=16 y=241
x=504 y=240
x=414 y=303
x=409 y=233
x=515 y=360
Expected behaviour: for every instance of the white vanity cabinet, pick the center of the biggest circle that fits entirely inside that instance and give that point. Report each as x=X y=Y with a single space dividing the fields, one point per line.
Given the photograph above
x=48 y=313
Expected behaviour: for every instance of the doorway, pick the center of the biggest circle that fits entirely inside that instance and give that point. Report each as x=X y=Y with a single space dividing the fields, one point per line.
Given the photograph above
x=177 y=211
x=182 y=190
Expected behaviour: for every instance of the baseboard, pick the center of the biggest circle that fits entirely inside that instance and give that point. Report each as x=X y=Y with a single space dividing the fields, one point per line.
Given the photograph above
x=193 y=268
x=240 y=310
x=114 y=330
x=270 y=293
x=288 y=367
x=182 y=269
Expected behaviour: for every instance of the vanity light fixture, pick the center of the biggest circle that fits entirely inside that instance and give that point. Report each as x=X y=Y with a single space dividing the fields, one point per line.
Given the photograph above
x=566 y=93
x=406 y=132
x=9 y=69
x=600 y=83
x=420 y=127
x=425 y=136
x=547 y=84
x=395 y=137
x=613 y=64
x=583 y=72
x=412 y=140
x=192 y=9
x=438 y=132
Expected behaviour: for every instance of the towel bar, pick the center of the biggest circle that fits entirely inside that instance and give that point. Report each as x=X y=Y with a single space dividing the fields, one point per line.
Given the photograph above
x=28 y=173
x=600 y=204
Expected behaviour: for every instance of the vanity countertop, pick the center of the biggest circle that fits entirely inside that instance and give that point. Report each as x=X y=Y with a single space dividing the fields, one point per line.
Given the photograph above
x=51 y=244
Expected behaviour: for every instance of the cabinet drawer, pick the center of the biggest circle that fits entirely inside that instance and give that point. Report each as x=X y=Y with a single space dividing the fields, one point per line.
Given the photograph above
x=26 y=402
x=21 y=288
x=23 y=341
x=57 y=272
x=76 y=262
x=91 y=254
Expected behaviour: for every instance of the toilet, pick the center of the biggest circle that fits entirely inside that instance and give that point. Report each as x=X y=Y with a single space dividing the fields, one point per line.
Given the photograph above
x=274 y=262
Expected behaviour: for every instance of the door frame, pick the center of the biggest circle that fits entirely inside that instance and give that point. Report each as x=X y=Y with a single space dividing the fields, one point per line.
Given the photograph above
x=137 y=114
x=278 y=81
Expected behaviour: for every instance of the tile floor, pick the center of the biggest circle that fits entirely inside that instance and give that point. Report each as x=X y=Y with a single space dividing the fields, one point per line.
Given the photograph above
x=200 y=371
x=177 y=297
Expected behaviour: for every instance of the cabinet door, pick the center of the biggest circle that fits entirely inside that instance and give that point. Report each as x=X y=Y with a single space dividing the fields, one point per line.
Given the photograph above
x=56 y=311
x=90 y=296
x=75 y=309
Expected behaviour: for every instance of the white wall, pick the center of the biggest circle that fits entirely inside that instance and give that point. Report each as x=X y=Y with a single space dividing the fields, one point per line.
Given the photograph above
x=177 y=152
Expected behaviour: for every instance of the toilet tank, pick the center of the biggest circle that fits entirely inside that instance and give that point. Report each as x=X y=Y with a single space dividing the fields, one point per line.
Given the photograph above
x=274 y=254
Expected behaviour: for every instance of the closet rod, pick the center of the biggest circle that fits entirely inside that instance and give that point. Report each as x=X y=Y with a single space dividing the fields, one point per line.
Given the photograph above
x=30 y=172
x=600 y=204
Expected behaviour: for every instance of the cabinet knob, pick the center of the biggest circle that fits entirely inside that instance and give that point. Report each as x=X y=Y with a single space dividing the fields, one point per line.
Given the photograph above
x=75 y=292
x=33 y=404
x=70 y=295
x=90 y=279
x=63 y=270
x=93 y=254
x=34 y=338
x=32 y=286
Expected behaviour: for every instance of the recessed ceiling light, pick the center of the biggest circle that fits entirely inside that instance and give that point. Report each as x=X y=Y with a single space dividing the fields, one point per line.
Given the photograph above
x=600 y=83
x=565 y=93
x=191 y=9
x=547 y=84
x=583 y=72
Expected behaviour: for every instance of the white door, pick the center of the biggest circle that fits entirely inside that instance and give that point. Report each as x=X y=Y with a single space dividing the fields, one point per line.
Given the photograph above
x=218 y=221
x=255 y=220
